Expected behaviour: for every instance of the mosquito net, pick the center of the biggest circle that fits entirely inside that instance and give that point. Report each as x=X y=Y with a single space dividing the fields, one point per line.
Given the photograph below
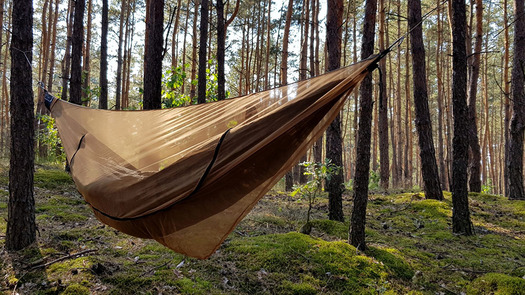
x=187 y=176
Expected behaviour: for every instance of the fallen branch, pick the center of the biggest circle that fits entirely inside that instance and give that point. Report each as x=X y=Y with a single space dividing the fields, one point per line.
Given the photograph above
x=63 y=258
x=155 y=268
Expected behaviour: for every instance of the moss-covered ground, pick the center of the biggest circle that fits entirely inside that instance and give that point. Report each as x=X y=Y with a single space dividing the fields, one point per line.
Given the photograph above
x=411 y=250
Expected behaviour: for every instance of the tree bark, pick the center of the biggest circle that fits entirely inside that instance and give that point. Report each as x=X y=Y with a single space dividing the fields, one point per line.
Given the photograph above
x=474 y=62
x=87 y=56
x=284 y=73
x=149 y=6
x=427 y=152
x=66 y=62
x=21 y=226
x=517 y=123
x=460 y=214
x=383 y=107
x=75 y=92
x=153 y=55
x=334 y=142
x=358 y=219
x=203 y=60
x=103 y=103
x=221 y=47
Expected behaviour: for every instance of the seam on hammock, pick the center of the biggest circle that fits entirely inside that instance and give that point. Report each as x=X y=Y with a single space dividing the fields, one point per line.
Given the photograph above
x=195 y=190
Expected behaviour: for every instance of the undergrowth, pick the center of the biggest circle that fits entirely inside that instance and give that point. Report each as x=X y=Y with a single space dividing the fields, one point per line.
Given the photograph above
x=411 y=250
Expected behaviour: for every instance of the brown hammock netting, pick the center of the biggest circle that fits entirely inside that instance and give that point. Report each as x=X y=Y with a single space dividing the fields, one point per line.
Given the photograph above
x=187 y=176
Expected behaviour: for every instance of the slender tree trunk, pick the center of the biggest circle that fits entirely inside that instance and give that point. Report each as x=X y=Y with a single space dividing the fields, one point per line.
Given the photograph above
x=75 y=93
x=517 y=124
x=439 y=73
x=87 y=56
x=21 y=226
x=358 y=219
x=429 y=167
x=194 y=50
x=506 y=87
x=334 y=144
x=175 y=37
x=284 y=74
x=153 y=55
x=66 y=62
x=221 y=47
x=150 y=4
x=383 y=107
x=53 y=47
x=103 y=103
x=460 y=215
x=203 y=61
x=474 y=62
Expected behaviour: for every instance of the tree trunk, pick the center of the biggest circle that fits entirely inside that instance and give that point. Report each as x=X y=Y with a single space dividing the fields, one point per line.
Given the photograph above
x=383 y=107
x=53 y=47
x=66 y=62
x=153 y=55
x=103 y=103
x=194 y=50
x=439 y=74
x=87 y=55
x=460 y=215
x=221 y=47
x=474 y=61
x=75 y=92
x=150 y=4
x=203 y=60
x=506 y=89
x=334 y=144
x=21 y=226
x=358 y=219
x=284 y=73
x=517 y=124
x=429 y=167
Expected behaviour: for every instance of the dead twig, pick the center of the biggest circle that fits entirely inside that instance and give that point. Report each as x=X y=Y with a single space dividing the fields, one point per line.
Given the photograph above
x=63 y=258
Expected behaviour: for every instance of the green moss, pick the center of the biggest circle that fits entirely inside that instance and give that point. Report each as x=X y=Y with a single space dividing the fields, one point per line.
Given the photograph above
x=392 y=259
x=302 y=288
x=333 y=228
x=335 y=263
x=52 y=179
x=496 y=283
x=188 y=286
x=76 y=289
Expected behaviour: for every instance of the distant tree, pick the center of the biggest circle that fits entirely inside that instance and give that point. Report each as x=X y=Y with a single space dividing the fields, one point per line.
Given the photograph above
x=334 y=141
x=103 y=101
x=383 y=107
x=288 y=178
x=460 y=214
x=222 y=26
x=203 y=59
x=151 y=6
x=427 y=152
x=517 y=124
x=66 y=61
x=75 y=92
x=153 y=54
x=21 y=226
x=473 y=65
x=362 y=171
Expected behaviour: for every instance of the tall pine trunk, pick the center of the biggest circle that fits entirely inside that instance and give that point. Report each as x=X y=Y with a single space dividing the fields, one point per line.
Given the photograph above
x=361 y=177
x=517 y=123
x=103 y=102
x=473 y=63
x=203 y=59
x=21 y=226
x=383 y=108
x=460 y=214
x=75 y=92
x=153 y=55
x=427 y=152
x=334 y=142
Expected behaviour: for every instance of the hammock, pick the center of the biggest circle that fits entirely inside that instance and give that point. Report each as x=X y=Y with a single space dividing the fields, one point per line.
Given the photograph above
x=187 y=176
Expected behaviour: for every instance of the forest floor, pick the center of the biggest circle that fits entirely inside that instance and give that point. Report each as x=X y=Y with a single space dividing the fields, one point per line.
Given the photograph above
x=411 y=250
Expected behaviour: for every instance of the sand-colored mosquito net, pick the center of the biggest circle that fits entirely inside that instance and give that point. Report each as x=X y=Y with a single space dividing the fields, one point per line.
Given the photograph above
x=187 y=176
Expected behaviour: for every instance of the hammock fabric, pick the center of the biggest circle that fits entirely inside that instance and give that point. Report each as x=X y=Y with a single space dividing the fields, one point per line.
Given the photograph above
x=187 y=176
